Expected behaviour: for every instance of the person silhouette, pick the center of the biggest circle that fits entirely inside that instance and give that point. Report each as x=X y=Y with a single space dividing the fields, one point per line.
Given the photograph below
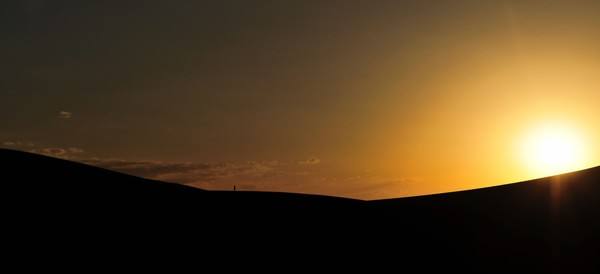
x=234 y=188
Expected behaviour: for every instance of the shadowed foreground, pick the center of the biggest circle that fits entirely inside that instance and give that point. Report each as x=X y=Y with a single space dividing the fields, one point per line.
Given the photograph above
x=546 y=225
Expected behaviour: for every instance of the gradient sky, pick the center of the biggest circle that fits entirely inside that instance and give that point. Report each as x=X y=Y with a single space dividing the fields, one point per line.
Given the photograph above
x=366 y=99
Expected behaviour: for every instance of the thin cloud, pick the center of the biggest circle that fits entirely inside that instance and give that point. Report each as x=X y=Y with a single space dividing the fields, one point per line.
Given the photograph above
x=65 y=115
x=75 y=150
x=299 y=176
x=187 y=173
x=310 y=162
x=18 y=144
x=71 y=153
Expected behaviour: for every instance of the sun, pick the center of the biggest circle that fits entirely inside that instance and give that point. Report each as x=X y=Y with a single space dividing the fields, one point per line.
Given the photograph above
x=553 y=149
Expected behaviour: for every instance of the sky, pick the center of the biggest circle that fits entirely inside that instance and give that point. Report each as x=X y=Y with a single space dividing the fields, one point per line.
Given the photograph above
x=363 y=99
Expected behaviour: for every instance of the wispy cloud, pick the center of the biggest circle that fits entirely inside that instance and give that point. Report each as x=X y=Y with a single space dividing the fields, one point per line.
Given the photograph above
x=66 y=153
x=17 y=144
x=295 y=176
x=75 y=150
x=65 y=115
x=192 y=173
x=310 y=161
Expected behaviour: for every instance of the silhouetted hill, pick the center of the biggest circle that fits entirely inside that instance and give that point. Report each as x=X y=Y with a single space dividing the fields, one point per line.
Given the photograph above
x=549 y=225
x=60 y=182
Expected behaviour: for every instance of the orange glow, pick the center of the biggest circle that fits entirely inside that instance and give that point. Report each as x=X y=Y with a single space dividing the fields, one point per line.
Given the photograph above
x=554 y=149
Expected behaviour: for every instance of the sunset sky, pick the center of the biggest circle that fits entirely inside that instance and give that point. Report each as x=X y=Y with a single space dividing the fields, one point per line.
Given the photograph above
x=364 y=99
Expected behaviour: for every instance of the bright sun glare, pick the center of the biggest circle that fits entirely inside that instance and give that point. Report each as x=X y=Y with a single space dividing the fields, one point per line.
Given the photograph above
x=554 y=149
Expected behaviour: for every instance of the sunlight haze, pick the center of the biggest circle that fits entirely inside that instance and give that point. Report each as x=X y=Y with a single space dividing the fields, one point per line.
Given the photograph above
x=348 y=98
